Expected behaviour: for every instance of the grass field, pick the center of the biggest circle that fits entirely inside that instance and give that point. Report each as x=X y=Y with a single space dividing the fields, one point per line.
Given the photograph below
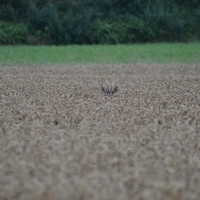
x=63 y=137
x=105 y=54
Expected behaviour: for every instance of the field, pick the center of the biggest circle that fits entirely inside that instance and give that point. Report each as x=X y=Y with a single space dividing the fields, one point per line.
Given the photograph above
x=161 y=53
x=63 y=138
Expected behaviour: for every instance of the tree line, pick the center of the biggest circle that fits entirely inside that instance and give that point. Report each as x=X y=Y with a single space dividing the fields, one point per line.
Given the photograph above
x=61 y=22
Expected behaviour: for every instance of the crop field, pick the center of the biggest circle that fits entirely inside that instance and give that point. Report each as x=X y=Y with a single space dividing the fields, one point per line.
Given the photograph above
x=64 y=136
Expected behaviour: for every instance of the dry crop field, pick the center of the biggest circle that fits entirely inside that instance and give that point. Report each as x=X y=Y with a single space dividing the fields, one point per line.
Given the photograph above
x=63 y=138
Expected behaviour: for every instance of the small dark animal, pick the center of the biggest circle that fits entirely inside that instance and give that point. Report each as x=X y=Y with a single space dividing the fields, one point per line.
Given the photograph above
x=109 y=90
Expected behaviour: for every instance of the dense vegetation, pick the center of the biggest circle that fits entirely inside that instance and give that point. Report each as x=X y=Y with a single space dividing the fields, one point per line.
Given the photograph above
x=98 y=22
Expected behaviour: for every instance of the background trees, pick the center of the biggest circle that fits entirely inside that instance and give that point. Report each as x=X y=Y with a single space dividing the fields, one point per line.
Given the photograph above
x=98 y=22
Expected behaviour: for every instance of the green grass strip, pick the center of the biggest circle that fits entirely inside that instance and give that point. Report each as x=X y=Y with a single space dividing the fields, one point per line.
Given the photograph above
x=163 y=53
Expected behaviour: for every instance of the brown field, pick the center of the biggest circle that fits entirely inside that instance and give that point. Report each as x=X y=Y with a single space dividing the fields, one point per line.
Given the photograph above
x=62 y=138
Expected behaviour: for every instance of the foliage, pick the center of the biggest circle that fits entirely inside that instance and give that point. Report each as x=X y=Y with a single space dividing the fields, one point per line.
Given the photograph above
x=44 y=21
x=12 y=33
x=104 y=21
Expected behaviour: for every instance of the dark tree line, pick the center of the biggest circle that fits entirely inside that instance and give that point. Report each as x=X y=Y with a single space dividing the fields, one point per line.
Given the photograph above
x=63 y=22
